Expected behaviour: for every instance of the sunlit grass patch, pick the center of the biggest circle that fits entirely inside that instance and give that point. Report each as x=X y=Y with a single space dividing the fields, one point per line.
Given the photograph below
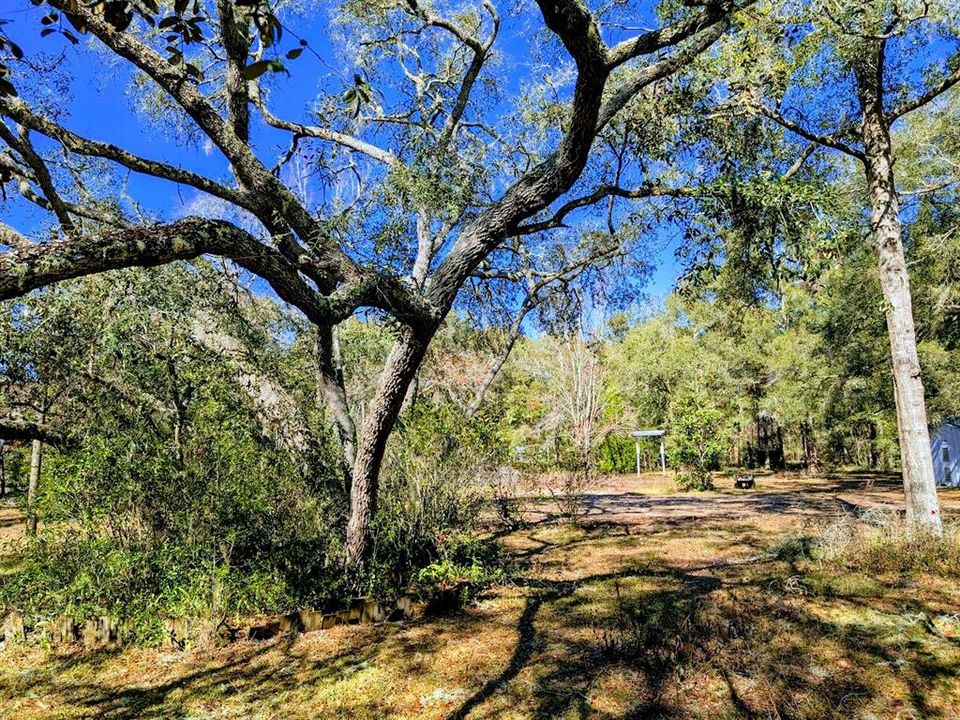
x=880 y=542
x=843 y=584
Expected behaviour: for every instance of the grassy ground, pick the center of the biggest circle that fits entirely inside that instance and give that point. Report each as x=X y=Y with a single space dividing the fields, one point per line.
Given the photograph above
x=658 y=605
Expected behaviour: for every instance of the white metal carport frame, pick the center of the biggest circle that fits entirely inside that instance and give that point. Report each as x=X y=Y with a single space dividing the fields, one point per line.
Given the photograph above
x=637 y=434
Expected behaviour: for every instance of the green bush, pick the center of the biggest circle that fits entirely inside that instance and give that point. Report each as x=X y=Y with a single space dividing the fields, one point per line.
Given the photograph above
x=696 y=444
x=430 y=501
x=693 y=481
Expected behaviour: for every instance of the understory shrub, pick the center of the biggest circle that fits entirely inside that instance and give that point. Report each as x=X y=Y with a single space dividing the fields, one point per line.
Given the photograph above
x=696 y=444
x=428 y=522
x=227 y=525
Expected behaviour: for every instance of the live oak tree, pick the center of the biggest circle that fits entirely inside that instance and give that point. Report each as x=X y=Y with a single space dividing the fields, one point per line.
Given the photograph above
x=840 y=78
x=432 y=170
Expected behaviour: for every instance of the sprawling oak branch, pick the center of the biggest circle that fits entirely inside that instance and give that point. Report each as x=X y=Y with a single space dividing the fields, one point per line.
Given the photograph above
x=18 y=111
x=670 y=35
x=26 y=268
x=174 y=82
x=546 y=181
x=41 y=264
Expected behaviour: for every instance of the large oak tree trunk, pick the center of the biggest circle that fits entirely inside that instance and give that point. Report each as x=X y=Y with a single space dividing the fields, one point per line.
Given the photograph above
x=919 y=483
x=400 y=368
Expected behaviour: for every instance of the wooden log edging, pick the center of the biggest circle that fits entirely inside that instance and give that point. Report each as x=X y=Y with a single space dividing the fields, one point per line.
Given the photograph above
x=180 y=633
x=360 y=611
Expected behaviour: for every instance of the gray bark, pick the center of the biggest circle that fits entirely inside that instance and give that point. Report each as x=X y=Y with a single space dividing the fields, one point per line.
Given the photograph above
x=332 y=392
x=397 y=375
x=36 y=457
x=919 y=483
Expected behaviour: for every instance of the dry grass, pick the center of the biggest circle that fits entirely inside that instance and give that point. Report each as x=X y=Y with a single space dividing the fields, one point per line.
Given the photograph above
x=657 y=605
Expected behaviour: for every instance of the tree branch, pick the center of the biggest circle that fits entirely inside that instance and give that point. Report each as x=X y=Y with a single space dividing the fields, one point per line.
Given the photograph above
x=800 y=161
x=41 y=174
x=647 y=190
x=315 y=131
x=25 y=269
x=235 y=44
x=19 y=429
x=829 y=141
x=671 y=35
x=659 y=70
x=332 y=391
x=18 y=111
x=543 y=183
x=480 y=51
x=927 y=97
x=174 y=82
x=268 y=197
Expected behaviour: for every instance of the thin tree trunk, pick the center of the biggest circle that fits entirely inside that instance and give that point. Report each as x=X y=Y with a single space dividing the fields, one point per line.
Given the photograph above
x=497 y=365
x=36 y=457
x=400 y=368
x=331 y=389
x=923 y=510
x=811 y=460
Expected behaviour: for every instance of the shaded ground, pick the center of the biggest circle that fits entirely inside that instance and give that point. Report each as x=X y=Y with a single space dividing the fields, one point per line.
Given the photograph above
x=657 y=606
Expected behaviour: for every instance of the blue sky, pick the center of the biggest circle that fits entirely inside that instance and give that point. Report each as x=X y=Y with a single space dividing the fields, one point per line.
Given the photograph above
x=99 y=106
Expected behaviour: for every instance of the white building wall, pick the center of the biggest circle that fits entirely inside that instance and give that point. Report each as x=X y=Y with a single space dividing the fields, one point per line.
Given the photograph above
x=945 y=443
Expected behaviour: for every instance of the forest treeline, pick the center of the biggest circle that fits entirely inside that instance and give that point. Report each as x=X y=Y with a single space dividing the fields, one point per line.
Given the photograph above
x=187 y=450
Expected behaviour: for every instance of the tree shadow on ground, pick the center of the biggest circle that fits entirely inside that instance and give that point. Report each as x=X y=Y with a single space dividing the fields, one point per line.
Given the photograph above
x=738 y=629
x=675 y=633
x=637 y=635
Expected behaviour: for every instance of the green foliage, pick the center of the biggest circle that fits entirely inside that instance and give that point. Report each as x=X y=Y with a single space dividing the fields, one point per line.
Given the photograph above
x=430 y=501
x=178 y=496
x=696 y=444
x=464 y=559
